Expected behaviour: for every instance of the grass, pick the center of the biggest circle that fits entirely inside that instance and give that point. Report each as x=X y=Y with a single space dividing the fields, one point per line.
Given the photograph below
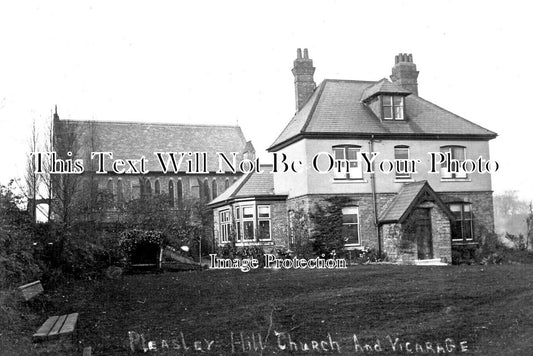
x=488 y=307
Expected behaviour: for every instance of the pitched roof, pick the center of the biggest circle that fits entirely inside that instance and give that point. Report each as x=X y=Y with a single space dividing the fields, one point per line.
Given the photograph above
x=131 y=140
x=336 y=110
x=407 y=199
x=384 y=86
x=252 y=184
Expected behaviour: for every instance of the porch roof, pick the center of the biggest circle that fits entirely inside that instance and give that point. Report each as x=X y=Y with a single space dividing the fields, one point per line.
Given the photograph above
x=409 y=196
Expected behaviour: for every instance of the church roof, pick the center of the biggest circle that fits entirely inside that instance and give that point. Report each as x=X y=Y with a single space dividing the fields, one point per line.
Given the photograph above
x=336 y=110
x=131 y=140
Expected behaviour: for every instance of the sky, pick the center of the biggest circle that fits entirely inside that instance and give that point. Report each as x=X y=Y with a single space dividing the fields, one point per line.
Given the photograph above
x=229 y=62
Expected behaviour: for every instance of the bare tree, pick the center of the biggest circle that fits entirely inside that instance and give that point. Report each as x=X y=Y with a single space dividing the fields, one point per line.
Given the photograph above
x=31 y=177
x=529 y=221
x=63 y=187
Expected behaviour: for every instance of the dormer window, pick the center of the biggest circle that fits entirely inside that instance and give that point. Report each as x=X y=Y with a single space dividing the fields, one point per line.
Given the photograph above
x=392 y=107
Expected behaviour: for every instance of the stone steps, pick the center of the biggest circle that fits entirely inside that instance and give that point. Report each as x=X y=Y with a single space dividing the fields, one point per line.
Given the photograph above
x=430 y=262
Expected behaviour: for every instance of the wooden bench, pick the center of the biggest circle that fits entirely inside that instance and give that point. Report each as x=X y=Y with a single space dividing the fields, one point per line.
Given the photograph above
x=31 y=290
x=56 y=327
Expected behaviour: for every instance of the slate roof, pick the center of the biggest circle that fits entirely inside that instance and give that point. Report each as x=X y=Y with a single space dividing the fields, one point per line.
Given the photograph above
x=406 y=199
x=249 y=185
x=131 y=140
x=336 y=110
x=383 y=86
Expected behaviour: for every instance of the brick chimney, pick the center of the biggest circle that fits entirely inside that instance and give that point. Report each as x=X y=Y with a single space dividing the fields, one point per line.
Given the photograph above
x=404 y=73
x=304 y=84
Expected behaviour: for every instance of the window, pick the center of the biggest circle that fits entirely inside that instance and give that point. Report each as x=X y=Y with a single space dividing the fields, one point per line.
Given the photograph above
x=120 y=193
x=86 y=193
x=263 y=221
x=401 y=154
x=205 y=190
x=157 y=187
x=180 y=193
x=226 y=184
x=171 y=192
x=248 y=222
x=347 y=162
x=392 y=107
x=136 y=189
x=238 y=222
x=109 y=191
x=110 y=187
x=350 y=225
x=148 y=189
x=462 y=227
x=214 y=188
x=225 y=226
x=453 y=170
x=195 y=187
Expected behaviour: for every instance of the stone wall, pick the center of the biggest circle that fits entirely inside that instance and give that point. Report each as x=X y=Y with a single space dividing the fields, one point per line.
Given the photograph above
x=399 y=241
x=441 y=235
x=367 y=226
x=482 y=209
x=279 y=222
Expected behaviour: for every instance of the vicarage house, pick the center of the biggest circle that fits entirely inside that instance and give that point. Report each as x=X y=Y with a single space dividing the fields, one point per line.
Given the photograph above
x=410 y=217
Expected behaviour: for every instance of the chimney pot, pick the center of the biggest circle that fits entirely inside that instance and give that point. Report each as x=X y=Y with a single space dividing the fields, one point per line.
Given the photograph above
x=304 y=84
x=404 y=72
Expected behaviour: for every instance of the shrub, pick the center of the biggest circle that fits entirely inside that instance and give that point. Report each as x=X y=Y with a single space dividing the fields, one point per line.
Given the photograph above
x=67 y=254
x=250 y=252
x=130 y=240
x=361 y=255
x=327 y=224
x=519 y=240
x=491 y=251
x=17 y=264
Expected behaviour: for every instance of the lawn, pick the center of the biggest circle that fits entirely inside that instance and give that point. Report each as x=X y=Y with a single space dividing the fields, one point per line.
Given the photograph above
x=484 y=310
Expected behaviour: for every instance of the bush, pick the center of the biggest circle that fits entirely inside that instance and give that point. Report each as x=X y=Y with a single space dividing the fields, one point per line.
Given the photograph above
x=231 y=251
x=66 y=254
x=491 y=251
x=327 y=224
x=250 y=252
x=465 y=254
x=361 y=255
x=17 y=264
x=130 y=240
x=519 y=241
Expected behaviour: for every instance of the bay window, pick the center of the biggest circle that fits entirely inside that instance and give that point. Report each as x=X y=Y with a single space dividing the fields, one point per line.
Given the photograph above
x=263 y=222
x=248 y=222
x=225 y=225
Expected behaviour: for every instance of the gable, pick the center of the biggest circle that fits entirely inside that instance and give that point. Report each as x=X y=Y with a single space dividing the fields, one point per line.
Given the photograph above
x=409 y=197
